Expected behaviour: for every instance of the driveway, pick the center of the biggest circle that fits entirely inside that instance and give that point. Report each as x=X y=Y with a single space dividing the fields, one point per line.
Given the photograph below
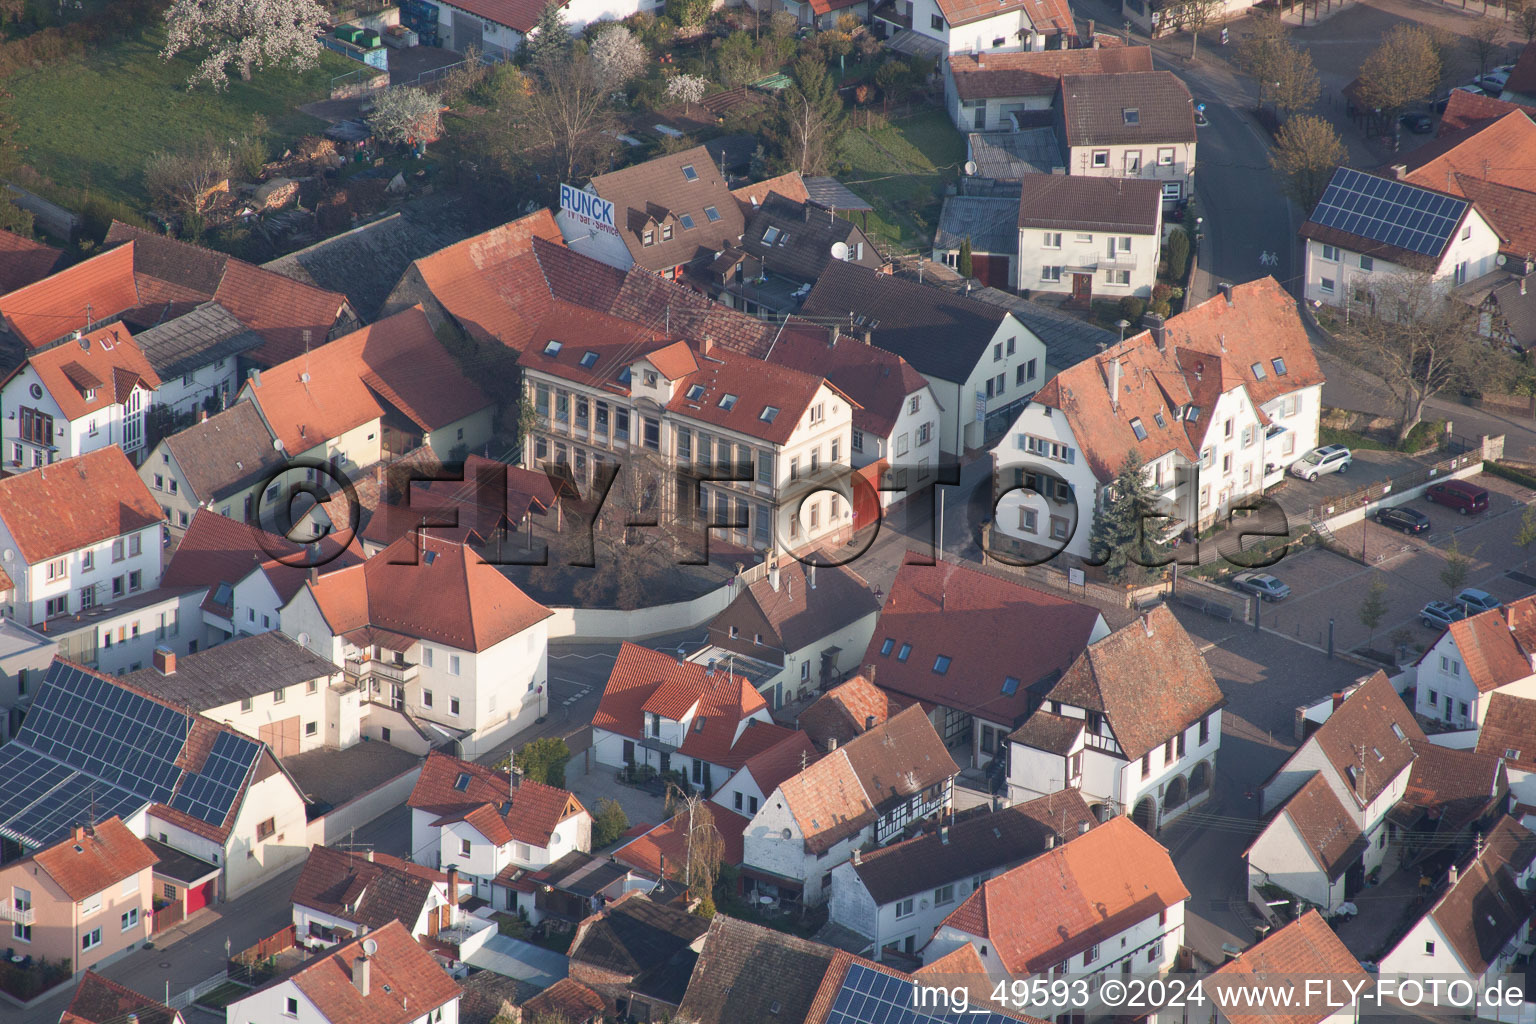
x=514 y=958
x=592 y=782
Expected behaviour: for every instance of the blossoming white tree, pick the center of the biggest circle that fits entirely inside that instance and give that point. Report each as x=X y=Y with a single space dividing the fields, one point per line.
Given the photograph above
x=246 y=34
x=619 y=56
x=687 y=89
x=405 y=114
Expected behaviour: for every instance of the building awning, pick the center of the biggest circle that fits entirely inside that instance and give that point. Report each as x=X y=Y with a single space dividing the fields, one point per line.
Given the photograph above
x=179 y=866
x=783 y=881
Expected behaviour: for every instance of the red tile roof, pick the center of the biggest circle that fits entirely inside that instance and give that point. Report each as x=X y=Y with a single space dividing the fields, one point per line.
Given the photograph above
x=529 y=814
x=1072 y=897
x=790 y=186
x=656 y=194
x=23 y=261
x=70 y=370
x=1305 y=948
x=85 y=864
x=1470 y=110
x=75 y=502
x=1502 y=152
x=492 y=283
x=431 y=589
x=1050 y=17
x=840 y=714
x=398 y=359
x=729 y=726
x=1496 y=646
x=1373 y=716
x=788 y=757
x=51 y=308
x=100 y=1000
x=217 y=549
x=1327 y=829
x=668 y=843
x=940 y=610
x=1148 y=679
x=1488 y=906
x=405 y=981
x=1209 y=349
x=364 y=889
x=1511 y=212
x=880 y=382
x=1509 y=730
x=490 y=494
x=565 y=1000
x=988 y=75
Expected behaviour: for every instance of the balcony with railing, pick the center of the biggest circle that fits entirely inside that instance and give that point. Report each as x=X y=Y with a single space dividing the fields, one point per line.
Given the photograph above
x=382 y=668
x=1119 y=260
x=16 y=913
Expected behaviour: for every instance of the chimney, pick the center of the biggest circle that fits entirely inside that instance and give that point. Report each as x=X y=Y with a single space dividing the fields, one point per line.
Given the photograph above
x=360 y=969
x=869 y=722
x=1050 y=840
x=79 y=833
x=1226 y=291
x=867 y=335
x=944 y=835
x=832 y=336
x=706 y=344
x=1082 y=828
x=1158 y=328
x=1522 y=286
x=1399 y=171
x=1453 y=875
x=831 y=744
x=453 y=892
x=202 y=416
x=85 y=343
x=773 y=577
x=1338 y=700
x=1114 y=384
x=858 y=858
x=810 y=576
x=255 y=378
x=517 y=778
x=165 y=661
x=132 y=1018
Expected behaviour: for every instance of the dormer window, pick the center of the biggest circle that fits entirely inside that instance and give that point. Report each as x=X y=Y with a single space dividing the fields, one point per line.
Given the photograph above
x=588 y=360
x=90 y=394
x=695 y=392
x=727 y=402
x=686 y=220
x=769 y=413
x=770 y=235
x=552 y=347
x=1192 y=413
x=666 y=232
x=648 y=238
x=624 y=375
x=711 y=213
x=689 y=173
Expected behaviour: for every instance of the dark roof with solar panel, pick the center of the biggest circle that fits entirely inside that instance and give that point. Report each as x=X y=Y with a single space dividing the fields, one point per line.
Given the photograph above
x=91 y=748
x=869 y=996
x=1378 y=216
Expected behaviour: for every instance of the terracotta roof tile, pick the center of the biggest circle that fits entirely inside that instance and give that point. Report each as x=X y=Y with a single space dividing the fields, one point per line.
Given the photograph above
x=283 y=311
x=491 y=283
x=93 y=862
x=567 y=1000
x=976 y=844
x=1509 y=730
x=1225 y=340
x=747 y=972
x=354 y=887
x=488 y=802
x=70 y=370
x=1453 y=787
x=490 y=495
x=1496 y=646
x=789 y=756
x=797 y=614
x=1329 y=831
x=23 y=261
x=1048 y=17
x=1373 y=716
x=880 y=382
x=940 y=609
x=1487 y=906
x=1080 y=893
x=99 y=1000
x=1511 y=212
x=1502 y=152
x=841 y=713
x=38 y=313
x=74 y=502
x=217 y=550
x=398 y=359
x=988 y=75
x=1305 y=948
x=663 y=851
x=1470 y=110
x=790 y=186
x=416 y=985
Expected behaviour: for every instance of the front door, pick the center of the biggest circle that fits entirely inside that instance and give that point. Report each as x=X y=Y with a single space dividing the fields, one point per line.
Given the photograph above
x=1082 y=289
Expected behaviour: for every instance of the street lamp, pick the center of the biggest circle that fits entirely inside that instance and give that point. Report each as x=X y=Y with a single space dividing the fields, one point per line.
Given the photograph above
x=1122 y=324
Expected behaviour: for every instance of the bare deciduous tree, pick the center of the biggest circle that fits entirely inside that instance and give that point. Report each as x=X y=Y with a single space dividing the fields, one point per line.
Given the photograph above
x=1194 y=15
x=1262 y=48
x=180 y=182
x=1482 y=41
x=1418 y=341
x=1296 y=85
x=565 y=111
x=705 y=848
x=1307 y=152
x=244 y=34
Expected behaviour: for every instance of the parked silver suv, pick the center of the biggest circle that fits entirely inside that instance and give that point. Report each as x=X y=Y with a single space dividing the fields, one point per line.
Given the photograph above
x=1330 y=458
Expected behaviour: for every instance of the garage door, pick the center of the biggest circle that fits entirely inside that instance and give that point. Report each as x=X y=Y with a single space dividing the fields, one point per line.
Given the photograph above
x=991 y=270
x=200 y=896
x=467 y=31
x=282 y=737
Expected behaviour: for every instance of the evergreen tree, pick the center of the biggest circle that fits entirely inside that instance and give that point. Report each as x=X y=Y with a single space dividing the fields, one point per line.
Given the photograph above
x=550 y=41
x=965 y=258
x=1126 y=527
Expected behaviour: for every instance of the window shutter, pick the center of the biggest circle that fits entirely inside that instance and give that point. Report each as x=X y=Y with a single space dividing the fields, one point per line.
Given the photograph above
x=1071 y=456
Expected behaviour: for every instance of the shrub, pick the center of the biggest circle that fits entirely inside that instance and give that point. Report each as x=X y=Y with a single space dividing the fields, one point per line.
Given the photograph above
x=1161 y=293
x=1520 y=476
x=1425 y=434
x=543 y=760
x=706 y=908
x=1177 y=251
x=608 y=822
x=1161 y=308
x=1132 y=308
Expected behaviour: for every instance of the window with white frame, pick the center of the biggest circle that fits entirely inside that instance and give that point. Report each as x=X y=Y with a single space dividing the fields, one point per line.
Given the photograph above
x=1051 y=274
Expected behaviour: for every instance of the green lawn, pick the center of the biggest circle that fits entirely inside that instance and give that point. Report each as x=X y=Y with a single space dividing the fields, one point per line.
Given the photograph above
x=92 y=121
x=902 y=170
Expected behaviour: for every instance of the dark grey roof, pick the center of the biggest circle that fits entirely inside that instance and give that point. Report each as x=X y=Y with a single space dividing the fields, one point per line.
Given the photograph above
x=1011 y=155
x=1068 y=340
x=366 y=262
x=750 y=973
x=197 y=338
x=832 y=193
x=942 y=334
x=1517 y=302
x=225 y=453
x=987 y=221
x=1093 y=109
x=486 y=994
x=649 y=942
x=732 y=152
x=803 y=236
x=582 y=874
x=247 y=666
x=1078 y=202
x=179 y=864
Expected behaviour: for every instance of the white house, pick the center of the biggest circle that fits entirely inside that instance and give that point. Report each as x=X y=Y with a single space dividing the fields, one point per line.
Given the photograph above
x=1474 y=658
x=987 y=369
x=966 y=26
x=1365 y=755
x=197 y=356
x=924 y=651
x=1216 y=403
x=107 y=547
x=763 y=772
x=868 y=790
x=347 y=984
x=479 y=821
x=79 y=396
x=224 y=463
x=342 y=894
x=1507 y=732
x=1089 y=237
x=265 y=685
x=1132 y=124
x=499 y=29
x=447 y=648
x=899 y=895
x=668 y=714
x=121 y=636
x=1305 y=948
x=1134 y=725
x=1366 y=228
x=1478 y=924
x=1115 y=879
x=988 y=90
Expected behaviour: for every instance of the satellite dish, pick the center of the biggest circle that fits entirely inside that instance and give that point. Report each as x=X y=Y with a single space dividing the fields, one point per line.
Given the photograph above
x=370 y=947
x=970 y=167
x=304 y=377
x=303 y=639
x=10 y=555
x=1502 y=260
x=277 y=443
x=839 y=250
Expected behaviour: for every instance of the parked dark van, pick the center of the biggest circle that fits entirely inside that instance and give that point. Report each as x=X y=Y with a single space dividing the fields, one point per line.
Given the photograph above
x=1458 y=494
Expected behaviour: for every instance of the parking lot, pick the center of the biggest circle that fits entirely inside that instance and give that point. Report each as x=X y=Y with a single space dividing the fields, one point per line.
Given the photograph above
x=1325 y=585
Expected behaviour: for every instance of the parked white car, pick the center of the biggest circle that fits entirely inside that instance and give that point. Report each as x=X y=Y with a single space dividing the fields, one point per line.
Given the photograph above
x=1330 y=458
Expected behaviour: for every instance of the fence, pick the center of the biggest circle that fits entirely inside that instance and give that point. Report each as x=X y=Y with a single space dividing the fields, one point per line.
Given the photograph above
x=638 y=623
x=358 y=83
x=182 y=1000
x=1048 y=576
x=272 y=945
x=166 y=916
x=434 y=75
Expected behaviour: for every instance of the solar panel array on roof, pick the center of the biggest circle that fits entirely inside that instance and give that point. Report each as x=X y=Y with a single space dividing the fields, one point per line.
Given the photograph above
x=869 y=996
x=209 y=793
x=1390 y=212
